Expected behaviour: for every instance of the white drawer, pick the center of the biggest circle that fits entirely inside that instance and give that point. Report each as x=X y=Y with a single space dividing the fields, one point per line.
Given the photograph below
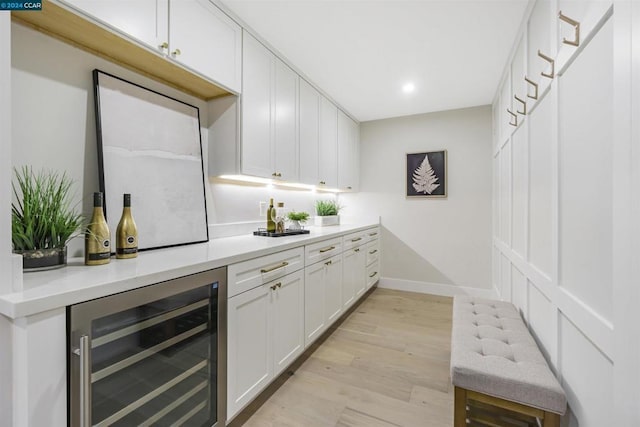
x=373 y=251
x=373 y=274
x=373 y=233
x=354 y=239
x=247 y=275
x=322 y=250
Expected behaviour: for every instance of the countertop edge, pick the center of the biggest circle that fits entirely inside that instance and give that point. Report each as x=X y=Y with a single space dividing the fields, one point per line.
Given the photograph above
x=45 y=297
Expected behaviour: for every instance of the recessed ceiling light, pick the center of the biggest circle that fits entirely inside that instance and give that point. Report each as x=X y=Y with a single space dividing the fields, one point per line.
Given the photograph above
x=408 y=87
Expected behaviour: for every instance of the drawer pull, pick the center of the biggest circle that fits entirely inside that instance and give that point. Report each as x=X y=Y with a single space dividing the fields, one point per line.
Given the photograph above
x=373 y=274
x=373 y=252
x=356 y=250
x=373 y=234
x=330 y=248
x=357 y=239
x=277 y=285
x=270 y=269
x=328 y=262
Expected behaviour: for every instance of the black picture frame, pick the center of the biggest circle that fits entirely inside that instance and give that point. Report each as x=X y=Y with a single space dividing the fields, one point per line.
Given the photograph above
x=150 y=146
x=426 y=174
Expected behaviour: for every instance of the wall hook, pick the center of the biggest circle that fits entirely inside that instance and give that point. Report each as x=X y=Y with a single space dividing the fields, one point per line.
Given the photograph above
x=550 y=61
x=576 y=28
x=535 y=88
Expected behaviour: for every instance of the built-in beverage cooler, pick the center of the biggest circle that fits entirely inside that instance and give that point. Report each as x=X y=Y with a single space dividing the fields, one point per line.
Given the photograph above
x=153 y=356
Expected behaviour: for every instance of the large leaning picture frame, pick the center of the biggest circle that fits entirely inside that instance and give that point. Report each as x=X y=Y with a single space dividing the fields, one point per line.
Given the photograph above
x=427 y=174
x=149 y=145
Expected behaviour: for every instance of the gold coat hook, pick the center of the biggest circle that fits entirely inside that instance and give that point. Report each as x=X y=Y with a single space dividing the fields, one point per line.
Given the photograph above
x=550 y=61
x=576 y=28
x=515 y=118
x=535 y=88
x=524 y=106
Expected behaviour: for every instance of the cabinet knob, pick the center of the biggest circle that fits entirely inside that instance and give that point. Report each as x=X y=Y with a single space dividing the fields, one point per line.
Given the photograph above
x=349 y=188
x=322 y=183
x=176 y=52
x=164 y=46
x=273 y=288
x=279 y=284
x=279 y=175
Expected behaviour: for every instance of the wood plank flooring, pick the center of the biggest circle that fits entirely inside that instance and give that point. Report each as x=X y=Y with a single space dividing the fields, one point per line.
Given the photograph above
x=386 y=364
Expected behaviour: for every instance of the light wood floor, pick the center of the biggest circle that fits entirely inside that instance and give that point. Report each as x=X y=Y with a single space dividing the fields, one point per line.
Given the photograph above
x=386 y=364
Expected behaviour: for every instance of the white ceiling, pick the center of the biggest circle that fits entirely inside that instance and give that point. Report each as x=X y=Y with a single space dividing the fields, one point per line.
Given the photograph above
x=361 y=52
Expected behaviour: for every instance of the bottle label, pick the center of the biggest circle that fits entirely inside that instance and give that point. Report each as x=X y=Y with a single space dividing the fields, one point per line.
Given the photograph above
x=131 y=240
x=99 y=256
x=126 y=251
x=106 y=243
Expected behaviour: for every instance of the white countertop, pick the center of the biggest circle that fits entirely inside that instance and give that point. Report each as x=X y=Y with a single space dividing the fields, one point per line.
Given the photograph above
x=77 y=283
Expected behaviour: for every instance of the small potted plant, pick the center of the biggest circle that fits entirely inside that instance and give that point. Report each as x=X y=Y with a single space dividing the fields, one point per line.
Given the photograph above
x=42 y=219
x=296 y=218
x=327 y=213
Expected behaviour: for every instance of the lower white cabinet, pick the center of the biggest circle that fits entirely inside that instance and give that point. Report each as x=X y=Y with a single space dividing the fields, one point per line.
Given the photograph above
x=323 y=297
x=265 y=333
x=353 y=275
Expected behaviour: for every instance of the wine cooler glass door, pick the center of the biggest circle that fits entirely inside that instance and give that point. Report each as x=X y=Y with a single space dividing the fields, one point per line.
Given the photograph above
x=154 y=356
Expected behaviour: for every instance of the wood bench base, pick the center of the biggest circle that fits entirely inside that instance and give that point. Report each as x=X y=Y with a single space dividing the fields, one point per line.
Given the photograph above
x=482 y=409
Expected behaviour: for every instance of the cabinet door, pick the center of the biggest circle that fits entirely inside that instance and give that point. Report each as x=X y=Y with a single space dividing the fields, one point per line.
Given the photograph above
x=328 y=158
x=209 y=41
x=349 y=277
x=333 y=290
x=143 y=20
x=257 y=77
x=288 y=320
x=359 y=276
x=346 y=152
x=309 y=131
x=314 y=301
x=286 y=122
x=249 y=346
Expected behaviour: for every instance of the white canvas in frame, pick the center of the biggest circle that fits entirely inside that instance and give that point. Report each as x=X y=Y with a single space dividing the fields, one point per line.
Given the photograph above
x=149 y=146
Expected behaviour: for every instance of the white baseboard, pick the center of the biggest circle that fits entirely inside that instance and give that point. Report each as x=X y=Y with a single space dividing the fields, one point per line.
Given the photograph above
x=435 y=288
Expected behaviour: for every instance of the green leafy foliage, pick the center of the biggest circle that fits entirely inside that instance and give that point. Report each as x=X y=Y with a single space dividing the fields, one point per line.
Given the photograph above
x=298 y=216
x=327 y=207
x=41 y=217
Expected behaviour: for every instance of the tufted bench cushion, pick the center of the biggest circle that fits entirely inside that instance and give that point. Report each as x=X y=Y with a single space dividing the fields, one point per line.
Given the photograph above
x=493 y=353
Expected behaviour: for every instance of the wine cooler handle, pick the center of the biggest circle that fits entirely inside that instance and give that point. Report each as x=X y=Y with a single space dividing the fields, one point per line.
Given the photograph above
x=85 y=382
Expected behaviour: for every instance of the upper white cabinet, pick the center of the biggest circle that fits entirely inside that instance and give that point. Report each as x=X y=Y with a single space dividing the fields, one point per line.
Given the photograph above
x=205 y=39
x=348 y=165
x=318 y=123
x=269 y=114
x=194 y=33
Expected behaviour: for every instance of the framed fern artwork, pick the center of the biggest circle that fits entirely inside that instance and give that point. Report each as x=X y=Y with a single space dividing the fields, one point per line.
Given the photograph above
x=427 y=174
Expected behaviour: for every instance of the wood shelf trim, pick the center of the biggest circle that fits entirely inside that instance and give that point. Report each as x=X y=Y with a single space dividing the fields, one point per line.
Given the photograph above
x=69 y=27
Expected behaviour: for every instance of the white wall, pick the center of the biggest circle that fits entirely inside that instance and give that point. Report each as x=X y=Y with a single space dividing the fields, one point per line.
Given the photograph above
x=431 y=245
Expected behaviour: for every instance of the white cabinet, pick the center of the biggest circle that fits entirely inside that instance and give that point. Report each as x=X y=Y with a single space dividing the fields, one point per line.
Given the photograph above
x=269 y=114
x=348 y=164
x=309 y=131
x=328 y=158
x=323 y=301
x=265 y=334
x=208 y=41
x=353 y=275
x=194 y=33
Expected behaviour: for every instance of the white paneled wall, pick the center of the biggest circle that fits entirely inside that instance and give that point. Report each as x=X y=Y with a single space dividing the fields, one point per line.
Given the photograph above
x=554 y=214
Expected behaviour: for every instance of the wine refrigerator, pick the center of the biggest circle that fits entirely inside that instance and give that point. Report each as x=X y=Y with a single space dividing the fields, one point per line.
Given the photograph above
x=153 y=356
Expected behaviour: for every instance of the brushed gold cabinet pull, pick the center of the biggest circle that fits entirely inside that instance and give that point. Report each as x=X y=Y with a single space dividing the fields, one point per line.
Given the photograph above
x=373 y=274
x=176 y=52
x=270 y=269
x=515 y=118
x=535 y=88
x=373 y=234
x=576 y=29
x=524 y=106
x=373 y=252
x=279 y=284
x=328 y=262
x=357 y=239
x=323 y=183
x=330 y=248
x=273 y=288
x=550 y=61
x=164 y=46
x=356 y=250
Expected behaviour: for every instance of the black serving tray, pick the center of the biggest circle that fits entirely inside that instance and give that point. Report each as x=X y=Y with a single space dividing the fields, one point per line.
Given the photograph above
x=287 y=232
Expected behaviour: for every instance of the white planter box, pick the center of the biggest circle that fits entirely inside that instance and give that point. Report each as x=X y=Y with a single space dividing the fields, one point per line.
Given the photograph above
x=323 y=221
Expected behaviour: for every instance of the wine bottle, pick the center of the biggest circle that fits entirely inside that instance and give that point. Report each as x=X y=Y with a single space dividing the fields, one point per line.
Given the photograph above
x=127 y=232
x=97 y=238
x=271 y=224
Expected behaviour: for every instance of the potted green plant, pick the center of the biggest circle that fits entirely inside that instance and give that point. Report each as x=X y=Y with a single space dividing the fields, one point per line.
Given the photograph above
x=327 y=213
x=296 y=218
x=42 y=219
